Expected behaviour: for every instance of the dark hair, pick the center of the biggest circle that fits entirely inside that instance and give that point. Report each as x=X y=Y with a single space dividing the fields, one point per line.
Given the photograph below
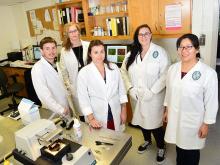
x=67 y=43
x=46 y=40
x=91 y=45
x=136 y=47
x=194 y=40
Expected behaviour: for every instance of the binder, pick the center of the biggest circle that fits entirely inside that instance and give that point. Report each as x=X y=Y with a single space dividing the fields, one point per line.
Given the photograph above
x=114 y=27
x=68 y=15
x=108 y=25
x=73 y=14
x=64 y=16
x=120 y=26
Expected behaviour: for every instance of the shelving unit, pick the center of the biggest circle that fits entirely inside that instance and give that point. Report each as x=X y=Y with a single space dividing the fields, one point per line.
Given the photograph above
x=63 y=7
x=151 y=12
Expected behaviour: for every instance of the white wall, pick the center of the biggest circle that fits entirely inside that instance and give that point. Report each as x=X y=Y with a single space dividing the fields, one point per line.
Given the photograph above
x=8 y=34
x=205 y=18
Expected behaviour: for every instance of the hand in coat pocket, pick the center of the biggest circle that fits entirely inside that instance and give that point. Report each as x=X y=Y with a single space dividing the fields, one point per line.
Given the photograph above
x=147 y=95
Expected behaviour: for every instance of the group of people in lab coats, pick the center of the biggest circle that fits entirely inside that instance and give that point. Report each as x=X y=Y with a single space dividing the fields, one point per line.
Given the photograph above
x=85 y=84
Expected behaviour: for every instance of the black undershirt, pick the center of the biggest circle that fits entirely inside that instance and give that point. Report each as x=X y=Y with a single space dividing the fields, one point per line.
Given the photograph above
x=183 y=74
x=78 y=51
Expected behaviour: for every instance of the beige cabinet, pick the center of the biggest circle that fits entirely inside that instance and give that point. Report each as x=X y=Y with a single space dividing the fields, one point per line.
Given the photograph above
x=136 y=12
x=182 y=7
x=152 y=12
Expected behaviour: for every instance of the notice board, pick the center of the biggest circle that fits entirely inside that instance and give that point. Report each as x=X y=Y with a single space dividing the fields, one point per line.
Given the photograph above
x=41 y=18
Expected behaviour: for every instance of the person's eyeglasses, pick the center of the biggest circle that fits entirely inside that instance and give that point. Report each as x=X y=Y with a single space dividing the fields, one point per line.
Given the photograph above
x=189 y=47
x=73 y=31
x=147 y=34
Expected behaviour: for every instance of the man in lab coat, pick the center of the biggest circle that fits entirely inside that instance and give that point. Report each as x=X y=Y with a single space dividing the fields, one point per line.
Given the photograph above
x=47 y=82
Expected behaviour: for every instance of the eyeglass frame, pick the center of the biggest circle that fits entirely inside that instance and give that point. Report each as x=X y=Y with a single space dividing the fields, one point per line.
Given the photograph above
x=187 y=48
x=73 y=31
x=147 y=34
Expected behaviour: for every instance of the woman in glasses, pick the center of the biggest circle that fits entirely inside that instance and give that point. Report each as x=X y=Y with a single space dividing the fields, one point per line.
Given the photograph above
x=73 y=58
x=144 y=71
x=191 y=101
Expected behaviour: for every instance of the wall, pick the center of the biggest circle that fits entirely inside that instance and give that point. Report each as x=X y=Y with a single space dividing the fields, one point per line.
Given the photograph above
x=205 y=20
x=8 y=34
x=169 y=45
x=206 y=23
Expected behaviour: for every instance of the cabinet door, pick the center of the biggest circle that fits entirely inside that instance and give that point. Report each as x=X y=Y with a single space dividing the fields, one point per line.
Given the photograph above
x=173 y=24
x=143 y=12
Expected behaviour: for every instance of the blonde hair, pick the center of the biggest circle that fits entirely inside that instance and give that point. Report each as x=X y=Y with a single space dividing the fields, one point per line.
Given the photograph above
x=67 y=43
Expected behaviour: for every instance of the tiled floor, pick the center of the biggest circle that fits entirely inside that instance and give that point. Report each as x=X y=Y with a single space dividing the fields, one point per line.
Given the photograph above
x=209 y=155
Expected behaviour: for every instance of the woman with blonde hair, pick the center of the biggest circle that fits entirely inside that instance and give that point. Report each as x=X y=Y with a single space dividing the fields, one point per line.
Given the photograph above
x=73 y=57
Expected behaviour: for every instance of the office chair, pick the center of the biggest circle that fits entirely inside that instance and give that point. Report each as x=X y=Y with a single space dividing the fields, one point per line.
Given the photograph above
x=7 y=90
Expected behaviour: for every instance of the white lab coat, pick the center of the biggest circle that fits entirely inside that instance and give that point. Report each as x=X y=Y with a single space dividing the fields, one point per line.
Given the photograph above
x=191 y=101
x=149 y=73
x=69 y=70
x=49 y=87
x=95 y=95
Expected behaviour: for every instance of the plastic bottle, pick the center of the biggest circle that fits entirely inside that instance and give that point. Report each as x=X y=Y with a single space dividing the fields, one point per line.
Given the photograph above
x=77 y=128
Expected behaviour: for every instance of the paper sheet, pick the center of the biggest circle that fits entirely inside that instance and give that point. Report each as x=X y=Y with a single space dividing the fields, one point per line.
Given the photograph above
x=47 y=16
x=173 y=17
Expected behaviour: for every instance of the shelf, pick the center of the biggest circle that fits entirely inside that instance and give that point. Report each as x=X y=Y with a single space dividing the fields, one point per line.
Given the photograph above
x=81 y=24
x=117 y=14
x=68 y=3
x=106 y=38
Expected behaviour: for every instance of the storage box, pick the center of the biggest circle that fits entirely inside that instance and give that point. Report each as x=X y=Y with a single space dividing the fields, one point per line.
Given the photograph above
x=29 y=112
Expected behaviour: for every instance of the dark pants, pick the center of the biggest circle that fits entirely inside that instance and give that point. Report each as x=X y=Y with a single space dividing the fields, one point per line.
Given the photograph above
x=187 y=157
x=158 y=135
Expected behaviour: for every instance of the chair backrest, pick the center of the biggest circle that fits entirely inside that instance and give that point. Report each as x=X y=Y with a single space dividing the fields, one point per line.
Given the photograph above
x=3 y=82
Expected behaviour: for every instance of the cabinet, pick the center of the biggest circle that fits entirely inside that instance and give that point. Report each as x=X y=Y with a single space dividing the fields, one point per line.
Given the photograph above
x=185 y=14
x=96 y=14
x=126 y=16
x=20 y=77
x=68 y=12
x=152 y=12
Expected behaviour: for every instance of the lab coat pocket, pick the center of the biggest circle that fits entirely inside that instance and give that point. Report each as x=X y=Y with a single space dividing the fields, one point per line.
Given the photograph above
x=190 y=120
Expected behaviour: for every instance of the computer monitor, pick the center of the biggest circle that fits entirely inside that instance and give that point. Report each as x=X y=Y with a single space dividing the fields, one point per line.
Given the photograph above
x=36 y=52
x=13 y=56
x=116 y=53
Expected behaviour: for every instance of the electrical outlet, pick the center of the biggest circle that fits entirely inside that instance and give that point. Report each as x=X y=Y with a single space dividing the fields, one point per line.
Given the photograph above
x=202 y=39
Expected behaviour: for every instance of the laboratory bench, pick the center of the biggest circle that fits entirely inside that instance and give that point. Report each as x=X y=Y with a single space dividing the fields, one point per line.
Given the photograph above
x=112 y=154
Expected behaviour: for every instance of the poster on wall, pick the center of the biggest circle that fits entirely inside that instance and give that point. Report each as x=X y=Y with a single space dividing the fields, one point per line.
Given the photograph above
x=116 y=54
x=173 y=17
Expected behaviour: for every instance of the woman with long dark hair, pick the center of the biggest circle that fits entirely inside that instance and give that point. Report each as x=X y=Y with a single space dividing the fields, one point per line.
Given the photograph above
x=144 y=71
x=101 y=90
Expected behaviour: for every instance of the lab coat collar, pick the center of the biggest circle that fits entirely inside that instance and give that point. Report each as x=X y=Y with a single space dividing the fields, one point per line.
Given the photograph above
x=48 y=65
x=98 y=74
x=148 y=53
x=196 y=67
